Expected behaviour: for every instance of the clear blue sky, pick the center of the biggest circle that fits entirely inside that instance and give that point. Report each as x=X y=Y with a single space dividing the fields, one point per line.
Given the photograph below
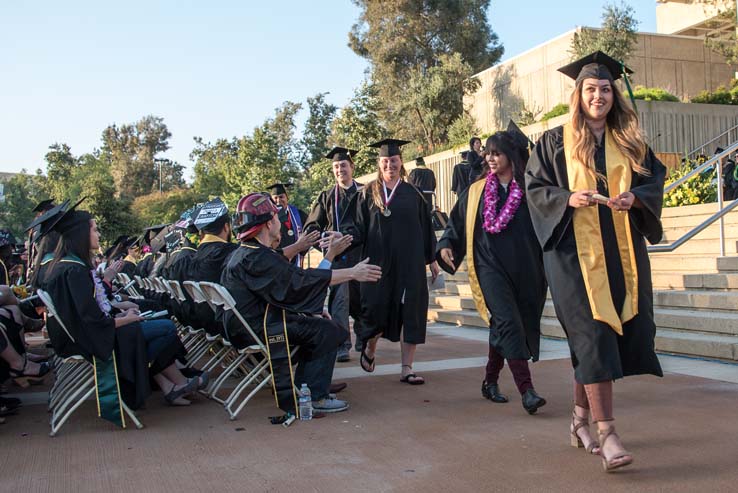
x=211 y=69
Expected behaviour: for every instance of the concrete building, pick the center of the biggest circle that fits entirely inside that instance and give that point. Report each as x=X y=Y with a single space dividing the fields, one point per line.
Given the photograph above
x=675 y=58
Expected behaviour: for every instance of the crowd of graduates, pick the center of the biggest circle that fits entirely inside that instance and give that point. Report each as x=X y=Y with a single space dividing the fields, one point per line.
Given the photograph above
x=570 y=214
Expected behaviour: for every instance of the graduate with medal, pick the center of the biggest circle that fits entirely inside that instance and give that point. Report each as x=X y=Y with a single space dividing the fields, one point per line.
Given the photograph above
x=291 y=218
x=394 y=224
x=595 y=192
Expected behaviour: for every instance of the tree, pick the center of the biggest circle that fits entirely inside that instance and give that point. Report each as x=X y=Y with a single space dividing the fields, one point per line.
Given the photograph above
x=130 y=150
x=461 y=129
x=411 y=43
x=616 y=37
x=156 y=208
x=21 y=194
x=357 y=125
x=314 y=142
x=721 y=41
x=60 y=166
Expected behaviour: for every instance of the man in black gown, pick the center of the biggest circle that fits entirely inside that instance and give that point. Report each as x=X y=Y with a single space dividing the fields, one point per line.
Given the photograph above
x=335 y=210
x=280 y=302
x=291 y=218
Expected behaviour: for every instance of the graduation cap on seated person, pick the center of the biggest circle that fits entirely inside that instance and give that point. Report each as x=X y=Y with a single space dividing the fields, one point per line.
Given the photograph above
x=279 y=188
x=159 y=241
x=173 y=239
x=44 y=206
x=209 y=213
x=341 y=154
x=67 y=220
x=44 y=222
x=597 y=65
x=519 y=137
x=151 y=232
x=389 y=147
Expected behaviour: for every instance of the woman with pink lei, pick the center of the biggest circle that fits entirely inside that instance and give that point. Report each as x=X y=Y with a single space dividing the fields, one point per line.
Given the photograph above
x=490 y=225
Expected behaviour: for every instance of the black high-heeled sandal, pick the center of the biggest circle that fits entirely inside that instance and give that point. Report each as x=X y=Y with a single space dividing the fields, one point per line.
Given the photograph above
x=23 y=379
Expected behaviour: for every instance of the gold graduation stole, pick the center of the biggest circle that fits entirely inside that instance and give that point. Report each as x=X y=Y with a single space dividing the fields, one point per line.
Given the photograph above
x=590 y=249
x=476 y=190
x=280 y=364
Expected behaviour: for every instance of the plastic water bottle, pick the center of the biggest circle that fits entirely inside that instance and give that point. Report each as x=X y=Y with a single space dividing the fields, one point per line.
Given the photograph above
x=306 y=403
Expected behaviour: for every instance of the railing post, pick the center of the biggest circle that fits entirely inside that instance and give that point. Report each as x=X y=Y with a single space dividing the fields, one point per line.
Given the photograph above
x=719 y=168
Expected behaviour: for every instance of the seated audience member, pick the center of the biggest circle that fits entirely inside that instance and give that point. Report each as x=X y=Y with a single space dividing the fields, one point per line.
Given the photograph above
x=279 y=298
x=141 y=347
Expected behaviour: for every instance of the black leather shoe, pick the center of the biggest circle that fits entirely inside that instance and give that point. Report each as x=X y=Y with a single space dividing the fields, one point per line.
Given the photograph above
x=532 y=401
x=491 y=391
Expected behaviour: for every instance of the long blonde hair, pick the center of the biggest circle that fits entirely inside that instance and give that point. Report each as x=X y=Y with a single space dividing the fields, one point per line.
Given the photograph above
x=622 y=122
x=375 y=187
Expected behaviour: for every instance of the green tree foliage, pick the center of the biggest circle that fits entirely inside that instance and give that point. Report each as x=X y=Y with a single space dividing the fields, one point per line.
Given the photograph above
x=21 y=192
x=653 y=94
x=130 y=151
x=461 y=130
x=416 y=46
x=722 y=41
x=252 y=162
x=156 y=208
x=558 y=110
x=314 y=142
x=617 y=36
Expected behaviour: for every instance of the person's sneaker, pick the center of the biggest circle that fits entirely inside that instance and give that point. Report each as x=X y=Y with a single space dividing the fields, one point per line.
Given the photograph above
x=343 y=355
x=330 y=405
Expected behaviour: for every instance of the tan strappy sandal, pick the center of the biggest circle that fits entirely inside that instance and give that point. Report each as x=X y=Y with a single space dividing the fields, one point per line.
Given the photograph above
x=607 y=462
x=577 y=423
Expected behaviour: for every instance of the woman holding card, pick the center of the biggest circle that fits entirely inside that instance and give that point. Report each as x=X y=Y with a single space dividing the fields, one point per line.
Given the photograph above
x=594 y=191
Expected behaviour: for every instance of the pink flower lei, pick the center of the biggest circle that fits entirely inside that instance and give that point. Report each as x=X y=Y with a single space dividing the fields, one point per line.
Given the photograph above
x=493 y=222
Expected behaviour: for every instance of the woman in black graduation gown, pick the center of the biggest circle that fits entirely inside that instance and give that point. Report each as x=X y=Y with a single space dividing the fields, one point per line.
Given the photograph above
x=504 y=264
x=80 y=304
x=594 y=248
x=394 y=224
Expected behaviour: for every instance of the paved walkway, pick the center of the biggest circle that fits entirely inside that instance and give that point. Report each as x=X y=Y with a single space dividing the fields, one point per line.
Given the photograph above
x=438 y=437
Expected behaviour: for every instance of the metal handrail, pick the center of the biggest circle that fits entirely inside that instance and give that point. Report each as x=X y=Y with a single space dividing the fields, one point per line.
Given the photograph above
x=712 y=141
x=717 y=161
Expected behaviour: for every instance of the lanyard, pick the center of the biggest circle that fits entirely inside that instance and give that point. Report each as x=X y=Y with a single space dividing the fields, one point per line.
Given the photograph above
x=387 y=199
x=291 y=223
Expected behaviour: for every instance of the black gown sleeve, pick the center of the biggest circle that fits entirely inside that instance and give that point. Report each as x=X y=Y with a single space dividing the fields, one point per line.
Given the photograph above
x=454 y=236
x=649 y=189
x=548 y=199
x=317 y=220
x=285 y=285
x=429 y=234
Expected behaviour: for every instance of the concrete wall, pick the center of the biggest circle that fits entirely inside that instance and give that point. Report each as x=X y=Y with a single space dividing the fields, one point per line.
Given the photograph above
x=680 y=64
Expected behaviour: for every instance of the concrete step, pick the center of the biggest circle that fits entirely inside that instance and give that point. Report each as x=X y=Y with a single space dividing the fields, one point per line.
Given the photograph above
x=683 y=263
x=699 y=344
x=669 y=213
x=701 y=246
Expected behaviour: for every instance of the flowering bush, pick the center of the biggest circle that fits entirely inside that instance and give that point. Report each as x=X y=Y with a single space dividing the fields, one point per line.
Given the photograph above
x=701 y=189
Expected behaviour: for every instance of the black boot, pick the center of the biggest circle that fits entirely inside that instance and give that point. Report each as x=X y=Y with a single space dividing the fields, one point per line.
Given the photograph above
x=532 y=401
x=491 y=391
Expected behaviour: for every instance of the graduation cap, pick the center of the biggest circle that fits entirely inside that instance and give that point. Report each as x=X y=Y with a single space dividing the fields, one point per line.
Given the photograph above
x=173 y=239
x=596 y=65
x=159 y=241
x=279 y=188
x=120 y=241
x=210 y=212
x=341 y=154
x=47 y=215
x=519 y=137
x=151 y=232
x=44 y=206
x=7 y=238
x=389 y=147
x=64 y=220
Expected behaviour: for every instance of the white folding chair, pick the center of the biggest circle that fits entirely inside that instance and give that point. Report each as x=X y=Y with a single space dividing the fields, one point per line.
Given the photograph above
x=257 y=369
x=209 y=342
x=75 y=380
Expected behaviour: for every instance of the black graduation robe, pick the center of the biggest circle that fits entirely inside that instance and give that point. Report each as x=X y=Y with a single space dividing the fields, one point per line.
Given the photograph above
x=145 y=265
x=598 y=353
x=129 y=267
x=70 y=285
x=402 y=244
x=322 y=218
x=207 y=265
x=509 y=268
x=257 y=277
x=465 y=174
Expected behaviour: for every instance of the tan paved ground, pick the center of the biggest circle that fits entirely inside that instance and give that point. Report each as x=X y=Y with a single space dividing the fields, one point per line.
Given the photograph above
x=439 y=437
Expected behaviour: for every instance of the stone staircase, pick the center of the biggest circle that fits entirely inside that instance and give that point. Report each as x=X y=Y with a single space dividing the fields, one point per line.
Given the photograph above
x=695 y=291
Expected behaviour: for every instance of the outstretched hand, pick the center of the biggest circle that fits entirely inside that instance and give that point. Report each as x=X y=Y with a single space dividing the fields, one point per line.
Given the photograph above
x=366 y=272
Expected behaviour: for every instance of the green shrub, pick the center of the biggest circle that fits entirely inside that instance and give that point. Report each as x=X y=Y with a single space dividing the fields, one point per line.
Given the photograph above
x=653 y=94
x=558 y=110
x=701 y=189
x=719 y=96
